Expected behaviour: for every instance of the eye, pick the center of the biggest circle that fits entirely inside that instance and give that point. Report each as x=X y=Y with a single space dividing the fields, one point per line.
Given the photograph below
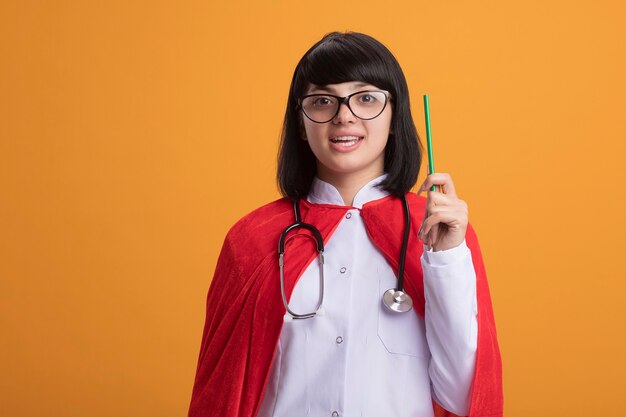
x=367 y=98
x=323 y=101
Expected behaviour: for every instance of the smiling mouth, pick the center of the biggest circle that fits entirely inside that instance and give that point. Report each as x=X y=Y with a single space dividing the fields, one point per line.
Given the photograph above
x=346 y=140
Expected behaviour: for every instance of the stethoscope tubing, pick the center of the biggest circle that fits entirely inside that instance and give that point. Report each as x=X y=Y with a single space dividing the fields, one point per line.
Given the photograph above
x=395 y=299
x=319 y=241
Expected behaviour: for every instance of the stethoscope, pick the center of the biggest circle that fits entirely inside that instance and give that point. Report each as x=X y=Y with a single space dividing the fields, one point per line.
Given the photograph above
x=395 y=299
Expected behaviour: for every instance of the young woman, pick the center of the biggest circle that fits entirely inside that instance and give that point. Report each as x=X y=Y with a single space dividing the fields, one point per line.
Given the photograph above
x=350 y=296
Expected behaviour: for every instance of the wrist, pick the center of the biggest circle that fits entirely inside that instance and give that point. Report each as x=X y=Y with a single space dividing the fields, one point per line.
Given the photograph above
x=443 y=247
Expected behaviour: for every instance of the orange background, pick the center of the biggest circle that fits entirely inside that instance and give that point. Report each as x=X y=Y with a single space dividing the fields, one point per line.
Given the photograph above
x=134 y=134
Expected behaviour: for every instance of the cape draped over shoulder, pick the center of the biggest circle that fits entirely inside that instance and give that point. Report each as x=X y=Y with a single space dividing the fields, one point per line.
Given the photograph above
x=244 y=310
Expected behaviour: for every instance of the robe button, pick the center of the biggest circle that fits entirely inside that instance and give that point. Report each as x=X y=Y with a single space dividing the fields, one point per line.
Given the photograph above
x=335 y=414
x=343 y=270
x=348 y=215
x=339 y=339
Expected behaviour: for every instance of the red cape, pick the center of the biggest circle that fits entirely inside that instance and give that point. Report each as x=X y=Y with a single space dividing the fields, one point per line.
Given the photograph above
x=244 y=312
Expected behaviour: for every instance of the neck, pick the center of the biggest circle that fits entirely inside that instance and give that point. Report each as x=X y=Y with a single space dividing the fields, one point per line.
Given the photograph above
x=348 y=184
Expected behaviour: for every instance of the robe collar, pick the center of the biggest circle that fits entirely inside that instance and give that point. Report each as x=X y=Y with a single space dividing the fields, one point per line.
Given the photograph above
x=322 y=192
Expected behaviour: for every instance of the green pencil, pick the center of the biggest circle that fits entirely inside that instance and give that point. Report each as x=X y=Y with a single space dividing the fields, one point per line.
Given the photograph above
x=429 y=144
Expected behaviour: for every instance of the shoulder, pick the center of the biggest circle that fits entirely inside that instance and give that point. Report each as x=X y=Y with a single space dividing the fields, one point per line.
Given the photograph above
x=262 y=215
x=260 y=228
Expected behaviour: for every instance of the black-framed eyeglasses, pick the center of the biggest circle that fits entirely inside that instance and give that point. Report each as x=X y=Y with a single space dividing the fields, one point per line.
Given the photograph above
x=322 y=108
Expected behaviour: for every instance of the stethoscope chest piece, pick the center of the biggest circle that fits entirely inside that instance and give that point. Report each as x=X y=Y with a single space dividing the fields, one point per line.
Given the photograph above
x=397 y=301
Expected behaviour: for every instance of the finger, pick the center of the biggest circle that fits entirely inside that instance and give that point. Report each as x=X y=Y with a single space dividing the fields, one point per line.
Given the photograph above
x=437 y=202
x=424 y=217
x=439 y=178
x=446 y=215
x=442 y=230
x=459 y=207
x=433 y=235
x=427 y=226
x=436 y=199
x=436 y=233
x=420 y=231
x=442 y=179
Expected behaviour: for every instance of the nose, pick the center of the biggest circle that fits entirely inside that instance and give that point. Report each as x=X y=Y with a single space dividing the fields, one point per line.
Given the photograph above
x=344 y=115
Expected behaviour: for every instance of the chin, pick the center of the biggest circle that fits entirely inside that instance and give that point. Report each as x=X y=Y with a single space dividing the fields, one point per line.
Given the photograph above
x=345 y=170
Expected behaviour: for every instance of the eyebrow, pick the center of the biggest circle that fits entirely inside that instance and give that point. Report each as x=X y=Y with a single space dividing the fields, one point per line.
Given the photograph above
x=332 y=90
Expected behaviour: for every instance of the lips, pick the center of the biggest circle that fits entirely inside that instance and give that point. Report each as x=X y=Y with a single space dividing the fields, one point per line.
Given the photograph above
x=347 y=140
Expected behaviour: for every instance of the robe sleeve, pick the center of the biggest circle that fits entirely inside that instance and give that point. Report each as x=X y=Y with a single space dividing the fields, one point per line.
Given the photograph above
x=451 y=325
x=486 y=392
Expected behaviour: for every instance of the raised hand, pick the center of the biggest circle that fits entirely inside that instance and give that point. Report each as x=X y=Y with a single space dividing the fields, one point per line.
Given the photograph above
x=446 y=217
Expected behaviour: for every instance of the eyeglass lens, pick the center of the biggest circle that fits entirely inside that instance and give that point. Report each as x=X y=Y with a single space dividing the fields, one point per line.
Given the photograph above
x=365 y=105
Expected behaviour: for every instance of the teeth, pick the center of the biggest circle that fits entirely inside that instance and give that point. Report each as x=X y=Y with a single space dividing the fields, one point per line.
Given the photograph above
x=338 y=138
x=345 y=140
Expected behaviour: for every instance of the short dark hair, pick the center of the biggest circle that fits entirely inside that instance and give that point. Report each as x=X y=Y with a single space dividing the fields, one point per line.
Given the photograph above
x=343 y=57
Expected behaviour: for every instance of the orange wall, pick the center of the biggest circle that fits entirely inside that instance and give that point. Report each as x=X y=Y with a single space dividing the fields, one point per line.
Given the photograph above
x=133 y=134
